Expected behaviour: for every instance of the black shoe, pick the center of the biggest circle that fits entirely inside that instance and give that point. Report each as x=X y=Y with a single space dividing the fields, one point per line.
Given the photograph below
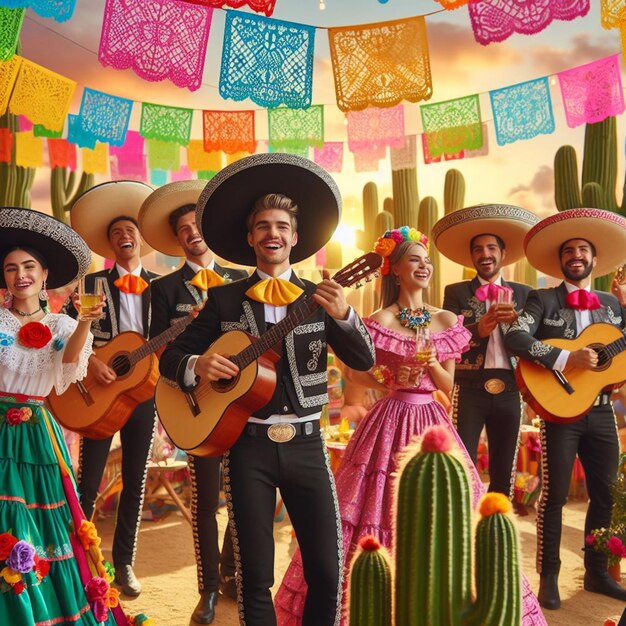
x=228 y=587
x=204 y=613
x=604 y=584
x=548 y=595
x=126 y=579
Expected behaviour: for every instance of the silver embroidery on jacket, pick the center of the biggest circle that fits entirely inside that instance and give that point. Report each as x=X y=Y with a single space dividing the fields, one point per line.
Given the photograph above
x=316 y=348
x=538 y=348
x=249 y=313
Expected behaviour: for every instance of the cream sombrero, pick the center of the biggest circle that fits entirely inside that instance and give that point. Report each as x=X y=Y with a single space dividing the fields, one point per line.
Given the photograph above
x=229 y=197
x=95 y=209
x=65 y=252
x=156 y=209
x=452 y=233
x=604 y=229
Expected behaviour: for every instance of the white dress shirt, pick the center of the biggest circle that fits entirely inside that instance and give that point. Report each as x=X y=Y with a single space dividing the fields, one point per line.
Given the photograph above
x=583 y=319
x=496 y=356
x=131 y=309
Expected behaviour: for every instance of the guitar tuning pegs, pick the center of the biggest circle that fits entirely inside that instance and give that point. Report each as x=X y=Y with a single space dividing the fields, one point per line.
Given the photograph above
x=376 y=274
x=358 y=284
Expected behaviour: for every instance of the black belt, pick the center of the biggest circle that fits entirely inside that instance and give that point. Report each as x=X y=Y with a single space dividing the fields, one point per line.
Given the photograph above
x=283 y=431
x=492 y=385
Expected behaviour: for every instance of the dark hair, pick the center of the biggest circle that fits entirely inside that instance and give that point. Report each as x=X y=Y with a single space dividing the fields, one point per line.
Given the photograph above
x=593 y=248
x=274 y=201
x=176 y=214
x=120 y=218
x=34 y=253
x=499 y=240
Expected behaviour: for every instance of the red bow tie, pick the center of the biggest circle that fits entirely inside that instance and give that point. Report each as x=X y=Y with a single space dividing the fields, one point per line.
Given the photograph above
x=490 y=291
x=582 y=300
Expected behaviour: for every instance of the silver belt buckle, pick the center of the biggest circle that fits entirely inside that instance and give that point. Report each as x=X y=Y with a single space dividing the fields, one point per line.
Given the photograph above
x=280 y=433
x=494 y=386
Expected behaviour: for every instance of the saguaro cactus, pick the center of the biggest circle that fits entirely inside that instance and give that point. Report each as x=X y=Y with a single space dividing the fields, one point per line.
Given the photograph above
x=428 y=215
x=64 y=190
x=366 y=238
x=453 y=191
x=15 y=181
x=370 y=585
x=405 y=197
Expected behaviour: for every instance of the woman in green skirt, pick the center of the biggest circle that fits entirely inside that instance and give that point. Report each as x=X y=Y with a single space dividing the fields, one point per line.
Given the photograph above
x=51 y=568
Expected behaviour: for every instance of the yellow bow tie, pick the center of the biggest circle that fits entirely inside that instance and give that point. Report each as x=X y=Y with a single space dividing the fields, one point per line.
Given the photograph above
x=205 y=279
x=274 y=291
x=129 y=283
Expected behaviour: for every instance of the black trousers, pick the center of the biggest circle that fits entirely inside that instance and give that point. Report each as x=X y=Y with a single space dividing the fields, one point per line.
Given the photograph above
x=253 y=469
x=501 y=416
x=594 y=438
x=205 y=491
x=136 y=436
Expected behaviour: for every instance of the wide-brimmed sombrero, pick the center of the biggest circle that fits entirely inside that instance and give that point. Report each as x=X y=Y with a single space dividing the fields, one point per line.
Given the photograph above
x=604 y=229
x=95 y=209
x=66 y=253
x=156 y=209
x=452 y=233
x=229 y=197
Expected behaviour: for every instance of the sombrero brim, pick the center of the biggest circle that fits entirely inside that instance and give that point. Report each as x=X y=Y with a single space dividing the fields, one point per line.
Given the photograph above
x=156 y=209
x=95 y=209
x=452 y=233
x=65 y=252
x=604 y=229
x=229 y=197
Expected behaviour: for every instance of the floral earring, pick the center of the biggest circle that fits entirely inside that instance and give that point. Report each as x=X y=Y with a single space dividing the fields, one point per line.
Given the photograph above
x=8 y=299
x=43 y=294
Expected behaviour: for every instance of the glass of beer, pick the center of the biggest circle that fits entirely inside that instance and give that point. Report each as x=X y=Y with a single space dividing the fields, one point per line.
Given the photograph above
x=505 y=298
x=89 y=298
x=423 y=345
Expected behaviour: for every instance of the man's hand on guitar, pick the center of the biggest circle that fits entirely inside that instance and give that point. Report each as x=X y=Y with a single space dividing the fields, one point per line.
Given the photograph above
x=585 y=358
x=103 y=374
x=215 y=367
x=329 y=295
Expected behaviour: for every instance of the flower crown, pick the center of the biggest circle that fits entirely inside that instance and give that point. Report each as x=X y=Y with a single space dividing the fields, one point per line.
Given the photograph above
x=386 y=244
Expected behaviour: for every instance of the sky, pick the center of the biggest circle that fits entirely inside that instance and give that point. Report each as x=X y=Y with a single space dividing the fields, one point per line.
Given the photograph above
x=519 y=173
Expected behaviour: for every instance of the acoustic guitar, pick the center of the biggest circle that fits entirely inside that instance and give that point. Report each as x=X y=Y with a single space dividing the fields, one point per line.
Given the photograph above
x=567 y=396
x=98 y=411
x=208 y=420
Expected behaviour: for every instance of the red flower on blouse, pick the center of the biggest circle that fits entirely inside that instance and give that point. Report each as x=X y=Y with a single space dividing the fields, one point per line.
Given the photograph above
x=34 y=335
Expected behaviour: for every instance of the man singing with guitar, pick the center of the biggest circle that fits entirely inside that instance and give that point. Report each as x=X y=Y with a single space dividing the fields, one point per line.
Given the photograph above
x=167 y=221
x=106 y=217
x=571 y=245
x=246 y=220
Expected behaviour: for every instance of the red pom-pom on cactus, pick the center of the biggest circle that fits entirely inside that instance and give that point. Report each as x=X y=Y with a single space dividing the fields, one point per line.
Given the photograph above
x=437 y=439
x=369 y=543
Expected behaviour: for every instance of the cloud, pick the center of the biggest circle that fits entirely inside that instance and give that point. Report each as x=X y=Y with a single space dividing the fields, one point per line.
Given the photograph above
x=583 y=48
x=538 y=195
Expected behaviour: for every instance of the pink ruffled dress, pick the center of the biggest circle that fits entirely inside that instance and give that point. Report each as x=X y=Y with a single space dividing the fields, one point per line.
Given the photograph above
x=364 y=479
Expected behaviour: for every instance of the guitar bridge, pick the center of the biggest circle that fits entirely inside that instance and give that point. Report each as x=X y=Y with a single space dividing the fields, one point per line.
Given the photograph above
x=193 y=403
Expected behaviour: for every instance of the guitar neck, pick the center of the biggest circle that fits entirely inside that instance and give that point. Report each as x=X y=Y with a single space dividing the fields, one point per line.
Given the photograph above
x=614 y=348
x=275 y=334
x=160 y=340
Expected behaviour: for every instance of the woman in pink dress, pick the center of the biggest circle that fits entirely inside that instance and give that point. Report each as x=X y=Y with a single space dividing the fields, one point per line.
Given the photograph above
x=364 y=484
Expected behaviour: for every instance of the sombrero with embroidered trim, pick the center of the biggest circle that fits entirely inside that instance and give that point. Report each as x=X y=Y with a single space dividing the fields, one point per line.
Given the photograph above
x=604 y=229
x=66 y=253
x=229 y=197
x=95 y=209
x=453 y=232
x=157 y=208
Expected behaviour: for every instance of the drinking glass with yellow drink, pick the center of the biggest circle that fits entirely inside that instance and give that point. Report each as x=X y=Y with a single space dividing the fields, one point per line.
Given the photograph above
x=90 y=298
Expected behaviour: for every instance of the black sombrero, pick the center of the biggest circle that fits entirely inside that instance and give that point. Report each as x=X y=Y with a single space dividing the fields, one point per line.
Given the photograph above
x=64 y=250
x=229 y=197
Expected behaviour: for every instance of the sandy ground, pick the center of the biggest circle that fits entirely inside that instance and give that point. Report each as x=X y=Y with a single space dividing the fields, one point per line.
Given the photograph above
x=166 y=566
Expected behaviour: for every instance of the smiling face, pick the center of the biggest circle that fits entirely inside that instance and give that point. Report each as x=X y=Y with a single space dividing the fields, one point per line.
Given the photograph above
x=577 y=259
x=23 y=274
x=487 y=256
x=125 y=240
x=414 y=269
x=189 y=236
x=272 y=237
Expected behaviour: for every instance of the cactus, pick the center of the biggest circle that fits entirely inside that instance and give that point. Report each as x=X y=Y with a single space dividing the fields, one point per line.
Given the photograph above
x=453 y=191
x=333 y=255
x=366 y=238
x=370 y=585
x=62 y=191
x=384 y=221
x=433 y=557
x=405 y=197
x=15 y=181
x=428 y=215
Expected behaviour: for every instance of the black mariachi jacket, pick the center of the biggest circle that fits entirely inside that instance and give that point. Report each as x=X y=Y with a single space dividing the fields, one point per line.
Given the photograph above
x=108 y=327
x=301 y=371
x=173 y=296
x=460 y=298
x=545 y=316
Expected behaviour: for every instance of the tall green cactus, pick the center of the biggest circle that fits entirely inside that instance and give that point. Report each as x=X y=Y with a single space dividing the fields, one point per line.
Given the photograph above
x=366 y=238
x=405 y=197
x=64 y=190
x=384 y=221
x=453 y=191
x=370 y=585
x=15 y=181
x=428 y=215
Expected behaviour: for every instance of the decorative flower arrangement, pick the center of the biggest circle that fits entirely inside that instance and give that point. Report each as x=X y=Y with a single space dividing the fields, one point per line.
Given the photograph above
x=102 y=597
x=612 y=540
x=16 y=559
x=34 y=335
x=139 y=620
x=16 y=415
x=386 y=244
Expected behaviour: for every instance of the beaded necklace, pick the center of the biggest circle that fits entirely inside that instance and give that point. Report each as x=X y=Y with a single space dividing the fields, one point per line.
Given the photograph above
x=413 y=318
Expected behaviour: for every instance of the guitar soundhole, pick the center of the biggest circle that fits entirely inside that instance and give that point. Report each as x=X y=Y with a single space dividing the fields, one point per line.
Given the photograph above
x=604 y=361
x=224 y=385
x=121 y=365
